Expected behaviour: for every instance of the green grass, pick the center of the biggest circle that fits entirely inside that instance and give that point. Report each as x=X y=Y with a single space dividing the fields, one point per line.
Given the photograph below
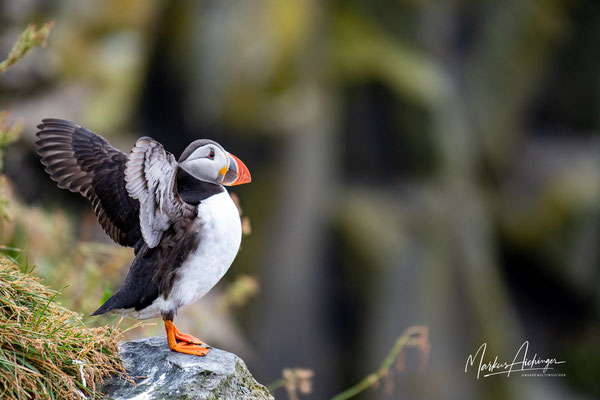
x=46 y=352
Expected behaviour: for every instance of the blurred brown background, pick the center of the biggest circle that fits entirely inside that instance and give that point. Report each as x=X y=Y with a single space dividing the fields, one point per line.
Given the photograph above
x=413 y=162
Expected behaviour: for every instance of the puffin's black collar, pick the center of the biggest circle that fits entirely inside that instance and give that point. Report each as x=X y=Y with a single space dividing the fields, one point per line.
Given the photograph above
x=193 y=190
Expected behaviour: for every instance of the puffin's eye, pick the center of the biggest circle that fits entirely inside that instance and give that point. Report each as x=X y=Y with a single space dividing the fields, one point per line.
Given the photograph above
x=211 y=155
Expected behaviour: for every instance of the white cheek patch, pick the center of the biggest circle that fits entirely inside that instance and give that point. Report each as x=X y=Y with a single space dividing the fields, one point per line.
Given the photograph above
x=201 y=168
x=200 y=152
x=187 y=167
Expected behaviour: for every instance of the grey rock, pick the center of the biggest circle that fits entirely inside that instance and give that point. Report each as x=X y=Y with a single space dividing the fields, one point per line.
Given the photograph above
x=160 y=373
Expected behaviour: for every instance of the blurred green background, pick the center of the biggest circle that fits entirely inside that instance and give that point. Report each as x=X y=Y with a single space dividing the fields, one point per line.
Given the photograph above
x=413 y=162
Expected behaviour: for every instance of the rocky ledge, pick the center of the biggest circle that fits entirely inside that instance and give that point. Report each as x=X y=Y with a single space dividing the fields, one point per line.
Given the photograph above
x=159 y=373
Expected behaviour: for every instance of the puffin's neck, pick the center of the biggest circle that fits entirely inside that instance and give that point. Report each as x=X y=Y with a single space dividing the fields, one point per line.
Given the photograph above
x=193 y=190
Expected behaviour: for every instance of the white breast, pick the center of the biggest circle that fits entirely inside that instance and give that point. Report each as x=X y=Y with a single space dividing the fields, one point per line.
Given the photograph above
x=220 y=230
x=220 y=237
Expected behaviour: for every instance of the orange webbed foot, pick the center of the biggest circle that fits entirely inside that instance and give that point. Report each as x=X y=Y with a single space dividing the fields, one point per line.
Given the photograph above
x=183 y=337
x=187 y=344
x=193 y=349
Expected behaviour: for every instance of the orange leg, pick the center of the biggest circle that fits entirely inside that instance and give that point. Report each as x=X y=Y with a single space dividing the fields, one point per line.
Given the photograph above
x=188 y=345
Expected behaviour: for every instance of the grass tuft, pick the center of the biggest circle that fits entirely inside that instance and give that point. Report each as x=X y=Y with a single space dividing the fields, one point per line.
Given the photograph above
x=45 y=349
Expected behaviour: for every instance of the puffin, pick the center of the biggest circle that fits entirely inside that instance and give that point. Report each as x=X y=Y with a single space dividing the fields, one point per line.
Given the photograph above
x=178 y=216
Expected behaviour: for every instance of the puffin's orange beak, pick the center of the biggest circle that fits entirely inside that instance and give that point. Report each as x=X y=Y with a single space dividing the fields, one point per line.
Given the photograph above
x=238 y=173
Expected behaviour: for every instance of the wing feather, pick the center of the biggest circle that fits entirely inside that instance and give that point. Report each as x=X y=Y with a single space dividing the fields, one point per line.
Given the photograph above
x=81 y=161
x=150 y=176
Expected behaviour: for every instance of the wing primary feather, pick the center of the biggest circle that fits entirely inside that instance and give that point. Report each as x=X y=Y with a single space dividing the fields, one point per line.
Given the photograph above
x=81 y=161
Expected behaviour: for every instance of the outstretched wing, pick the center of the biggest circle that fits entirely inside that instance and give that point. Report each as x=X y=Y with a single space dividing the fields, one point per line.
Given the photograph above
x=81 y=161
x=151 y=175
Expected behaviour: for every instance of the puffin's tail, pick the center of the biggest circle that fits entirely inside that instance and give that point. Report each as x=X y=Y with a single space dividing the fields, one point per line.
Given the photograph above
x=138 y=290
x=109 y=305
